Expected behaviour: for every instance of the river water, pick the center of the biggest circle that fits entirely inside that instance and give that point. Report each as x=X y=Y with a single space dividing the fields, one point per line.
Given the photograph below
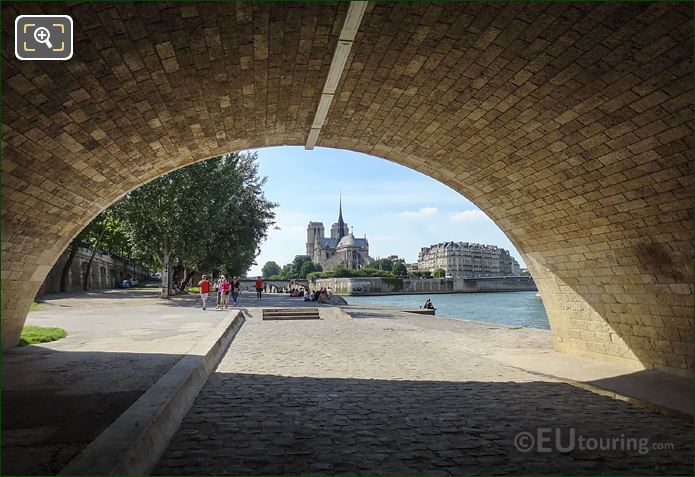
x=515 y=308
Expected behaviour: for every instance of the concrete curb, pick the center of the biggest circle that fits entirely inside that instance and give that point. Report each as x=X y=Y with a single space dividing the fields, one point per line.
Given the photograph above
x=134 y=443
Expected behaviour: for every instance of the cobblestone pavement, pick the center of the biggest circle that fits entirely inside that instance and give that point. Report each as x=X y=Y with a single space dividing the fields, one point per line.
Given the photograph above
x=412 y=395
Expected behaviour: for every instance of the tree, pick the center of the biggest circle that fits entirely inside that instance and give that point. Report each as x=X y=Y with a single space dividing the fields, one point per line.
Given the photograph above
x=298 y=263
x=399 y=269
x=74 y=247
x=341 y=272
x=271 y=269
x=106 y=232
x=286 y=272
x=208 y=216
x=101 y=222
x=307 y=268
x=439 y=273
x=300 y=267
x=382 y=264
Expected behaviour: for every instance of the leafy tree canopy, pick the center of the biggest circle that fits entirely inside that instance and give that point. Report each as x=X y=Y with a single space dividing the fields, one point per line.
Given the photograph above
x=399 y=269
x=271 y=269
x=382 y=264
x=307 y=268
x=210 y=216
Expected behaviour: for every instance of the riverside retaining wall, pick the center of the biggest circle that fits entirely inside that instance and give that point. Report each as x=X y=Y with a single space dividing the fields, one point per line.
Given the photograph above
x=408 y=286
x=107 y=271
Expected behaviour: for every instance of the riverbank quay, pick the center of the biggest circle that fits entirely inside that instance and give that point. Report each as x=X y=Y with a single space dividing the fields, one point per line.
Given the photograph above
x=376 y=360
x=381 y=392
x=412 y=286
x=531 y=349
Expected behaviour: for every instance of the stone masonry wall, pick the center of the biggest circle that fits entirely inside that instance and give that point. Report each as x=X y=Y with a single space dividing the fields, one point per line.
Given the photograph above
x=106 y=271
x=405 y=286
x=570 y=125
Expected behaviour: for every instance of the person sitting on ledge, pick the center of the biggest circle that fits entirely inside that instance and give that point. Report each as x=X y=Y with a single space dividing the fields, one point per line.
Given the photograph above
x=323 y=296
x=429 y=305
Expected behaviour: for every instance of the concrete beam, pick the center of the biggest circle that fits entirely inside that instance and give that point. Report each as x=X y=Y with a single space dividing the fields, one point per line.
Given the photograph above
x=340 y=56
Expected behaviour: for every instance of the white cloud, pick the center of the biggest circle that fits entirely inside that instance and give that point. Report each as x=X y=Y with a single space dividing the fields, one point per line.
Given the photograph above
x=419 y=214
x=467 y=215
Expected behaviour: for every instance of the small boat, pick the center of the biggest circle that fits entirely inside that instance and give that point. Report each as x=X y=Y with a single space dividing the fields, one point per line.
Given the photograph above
x=422 y=311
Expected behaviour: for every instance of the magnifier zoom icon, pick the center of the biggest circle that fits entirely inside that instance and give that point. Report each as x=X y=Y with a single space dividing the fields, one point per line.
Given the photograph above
x=42 y=35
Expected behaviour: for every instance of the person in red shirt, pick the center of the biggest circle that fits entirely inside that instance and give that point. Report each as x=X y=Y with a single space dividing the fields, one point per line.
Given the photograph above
x=259 y=287
x=226 y=287
x=204 y=285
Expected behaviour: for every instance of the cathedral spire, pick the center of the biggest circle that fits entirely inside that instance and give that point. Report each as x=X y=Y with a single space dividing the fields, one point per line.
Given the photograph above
x=341 y=223
x=340 y=207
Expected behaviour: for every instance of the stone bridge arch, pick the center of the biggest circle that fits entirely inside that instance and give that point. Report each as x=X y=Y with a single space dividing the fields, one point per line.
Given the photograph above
x=570 y=125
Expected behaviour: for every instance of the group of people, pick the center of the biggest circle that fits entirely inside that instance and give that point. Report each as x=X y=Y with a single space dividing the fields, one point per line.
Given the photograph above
x=322 y=296
x=224 y=289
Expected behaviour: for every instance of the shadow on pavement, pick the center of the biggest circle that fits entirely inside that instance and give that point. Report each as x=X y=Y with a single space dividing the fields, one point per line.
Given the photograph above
x=248 y=424
x=55 y=403
x=673 y=392
x=266 y=424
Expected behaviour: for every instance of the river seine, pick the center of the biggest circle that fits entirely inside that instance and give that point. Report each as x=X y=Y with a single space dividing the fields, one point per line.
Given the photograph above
x=517 y=308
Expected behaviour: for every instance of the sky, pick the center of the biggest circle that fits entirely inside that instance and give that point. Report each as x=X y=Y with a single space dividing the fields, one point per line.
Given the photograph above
x=400 y=210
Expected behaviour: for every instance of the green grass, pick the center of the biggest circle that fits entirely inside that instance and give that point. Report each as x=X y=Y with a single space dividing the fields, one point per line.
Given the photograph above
x=40 y=334
x=35 y=306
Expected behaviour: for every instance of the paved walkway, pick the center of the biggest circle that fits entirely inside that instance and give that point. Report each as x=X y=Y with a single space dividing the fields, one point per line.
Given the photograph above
x=399 y=394
x=57 y=397
x=379 y=392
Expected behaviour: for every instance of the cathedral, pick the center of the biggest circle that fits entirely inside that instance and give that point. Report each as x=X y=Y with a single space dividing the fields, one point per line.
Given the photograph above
x=342 y=249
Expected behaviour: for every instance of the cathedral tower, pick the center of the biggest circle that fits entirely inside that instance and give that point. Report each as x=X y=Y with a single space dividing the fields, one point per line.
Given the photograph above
x=314 y=233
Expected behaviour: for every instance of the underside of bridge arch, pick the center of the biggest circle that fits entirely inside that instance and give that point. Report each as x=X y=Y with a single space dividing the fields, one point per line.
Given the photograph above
x=568 y=124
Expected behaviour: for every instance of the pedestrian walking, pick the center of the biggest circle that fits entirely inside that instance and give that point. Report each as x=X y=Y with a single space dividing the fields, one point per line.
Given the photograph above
x=226 y=287
x=236 y=287
x=204 y=285
x=218 y=288
x=259 y=287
